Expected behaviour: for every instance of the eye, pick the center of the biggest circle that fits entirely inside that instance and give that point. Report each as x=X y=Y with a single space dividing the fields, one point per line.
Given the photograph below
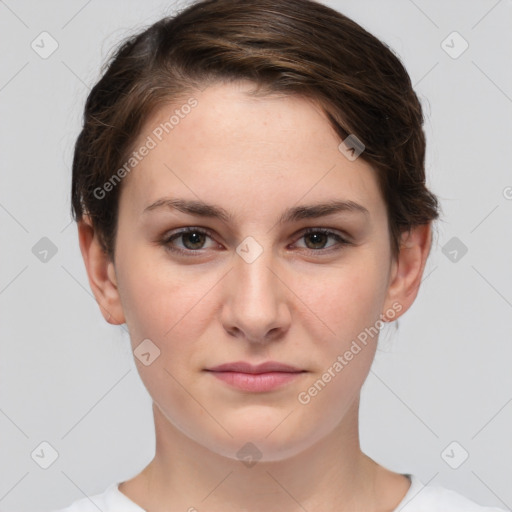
x=192 y=238
x=318 y=237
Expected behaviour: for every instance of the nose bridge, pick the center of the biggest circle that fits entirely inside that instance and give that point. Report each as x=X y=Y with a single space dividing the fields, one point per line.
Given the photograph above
x=255 y=303
x=254 y=280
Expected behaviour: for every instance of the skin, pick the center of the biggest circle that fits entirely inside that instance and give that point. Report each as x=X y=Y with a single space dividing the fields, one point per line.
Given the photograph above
x=301 y=302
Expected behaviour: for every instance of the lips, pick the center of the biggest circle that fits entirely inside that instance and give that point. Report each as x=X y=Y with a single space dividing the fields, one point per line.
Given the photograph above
x=243 y=367
x=265 y=377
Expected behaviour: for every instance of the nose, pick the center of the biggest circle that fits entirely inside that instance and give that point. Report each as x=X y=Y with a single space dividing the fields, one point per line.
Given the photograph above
x=255 y=304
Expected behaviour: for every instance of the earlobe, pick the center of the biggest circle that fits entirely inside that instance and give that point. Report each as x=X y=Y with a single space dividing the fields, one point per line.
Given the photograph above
x=101 y=273
x=408 y=269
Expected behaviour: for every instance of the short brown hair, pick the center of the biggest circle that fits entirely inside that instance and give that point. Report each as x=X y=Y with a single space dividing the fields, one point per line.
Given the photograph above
x=285 y=46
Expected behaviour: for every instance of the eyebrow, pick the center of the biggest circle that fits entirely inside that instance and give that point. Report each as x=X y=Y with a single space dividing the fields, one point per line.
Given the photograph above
x=312 y=211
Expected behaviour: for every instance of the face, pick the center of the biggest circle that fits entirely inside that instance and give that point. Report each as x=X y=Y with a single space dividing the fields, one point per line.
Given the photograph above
x=268 y=278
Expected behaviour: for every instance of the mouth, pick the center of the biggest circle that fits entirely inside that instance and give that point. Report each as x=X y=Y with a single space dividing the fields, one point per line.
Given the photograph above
x=256 y=378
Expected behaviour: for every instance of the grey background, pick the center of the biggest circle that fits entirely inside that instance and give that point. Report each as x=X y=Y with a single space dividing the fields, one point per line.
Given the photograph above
x=68 y=378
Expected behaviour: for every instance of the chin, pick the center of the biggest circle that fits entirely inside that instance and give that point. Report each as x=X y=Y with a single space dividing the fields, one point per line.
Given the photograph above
x=261 y=440
x=249 y=450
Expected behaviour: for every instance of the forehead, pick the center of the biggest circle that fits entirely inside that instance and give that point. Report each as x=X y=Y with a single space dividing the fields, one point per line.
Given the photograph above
x=224 y=146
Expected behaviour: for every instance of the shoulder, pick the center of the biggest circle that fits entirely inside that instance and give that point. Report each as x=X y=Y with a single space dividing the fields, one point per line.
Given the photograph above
x=435 y=498
x=110 y=500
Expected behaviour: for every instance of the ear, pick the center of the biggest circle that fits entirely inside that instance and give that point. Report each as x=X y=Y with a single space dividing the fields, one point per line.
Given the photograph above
x=407 y=270
x=101 y=272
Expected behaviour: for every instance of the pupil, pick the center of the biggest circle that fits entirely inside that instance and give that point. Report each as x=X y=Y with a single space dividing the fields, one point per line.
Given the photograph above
x=315 y=236
x=196 y=238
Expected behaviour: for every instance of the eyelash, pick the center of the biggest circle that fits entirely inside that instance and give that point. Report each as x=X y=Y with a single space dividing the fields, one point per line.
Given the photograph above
x=166 y=241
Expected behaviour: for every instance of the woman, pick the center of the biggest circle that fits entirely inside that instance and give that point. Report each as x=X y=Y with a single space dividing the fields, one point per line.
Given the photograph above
x=250 y=195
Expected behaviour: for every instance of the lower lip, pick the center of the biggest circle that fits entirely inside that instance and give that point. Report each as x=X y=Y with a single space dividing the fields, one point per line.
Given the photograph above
x=256 y=382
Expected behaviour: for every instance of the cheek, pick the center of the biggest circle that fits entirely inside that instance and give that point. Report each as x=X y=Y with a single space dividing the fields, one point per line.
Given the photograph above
x=172 y=309
x=351 y=297
x=161 y=305
x=349 y=304
x=155 y=296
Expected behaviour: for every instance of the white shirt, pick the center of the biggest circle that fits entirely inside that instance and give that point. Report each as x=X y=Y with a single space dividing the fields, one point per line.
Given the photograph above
x=419 y=498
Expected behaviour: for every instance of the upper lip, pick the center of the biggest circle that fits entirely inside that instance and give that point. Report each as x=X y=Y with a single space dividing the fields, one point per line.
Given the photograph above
x=243 y=367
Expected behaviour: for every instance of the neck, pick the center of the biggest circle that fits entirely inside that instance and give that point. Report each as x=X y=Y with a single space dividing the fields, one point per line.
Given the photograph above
x=332 y=474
